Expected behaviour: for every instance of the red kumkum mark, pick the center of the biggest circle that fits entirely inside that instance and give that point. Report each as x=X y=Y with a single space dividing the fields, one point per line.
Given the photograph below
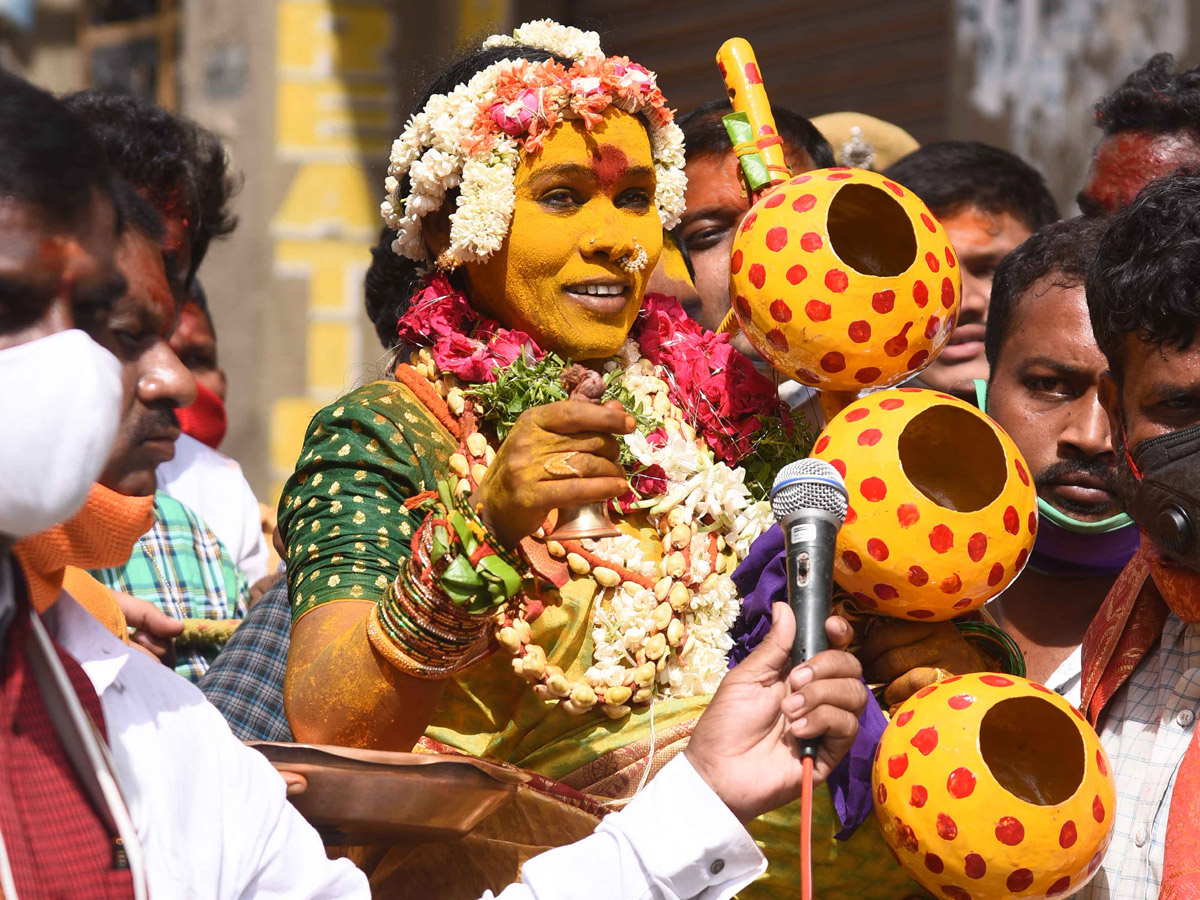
x=1098 y=808
x=961 y=783
x=821 y=444
x=818 y=310
x=960 y=701
x=925 y=740
x=954 y=892
x=904 y=718
x=877 y=549
x=757 y=275
x=941 y=538
x=996 y=575
x=776 y=339
x=780 y=311
x=946 y=828
x=867 y=375
x=894 y=188
x=1012 y=522
x=996 y=680
x=977 y=546
x=804 y=202
x=885 y=592
x=1100 y=762
x=897 y=765
x=837 y=281
x=870 y=437
x=1019 y=880
x=883 y=302
x=950 y=260
x=934 y=863
x=917 y=576
x=776 y=199
x=918 y=359
x=858 y=413
x=852 y=560
x=918 y=796
x=907 y=514
x=891 y=403
x=974 y=866
x=735 y=262
x=811 y=242
x=1068 y=835
x=1010 y=831
x=873 y=489
x=777 y=238
x=796 y=274
x=859 y=331
x=931 y=260
x=1059 y=886
x=833 y=362
x=948 y=292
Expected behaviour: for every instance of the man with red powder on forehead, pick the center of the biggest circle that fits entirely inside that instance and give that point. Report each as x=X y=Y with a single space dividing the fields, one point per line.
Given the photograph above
x=1151 y=127
x=182 y=170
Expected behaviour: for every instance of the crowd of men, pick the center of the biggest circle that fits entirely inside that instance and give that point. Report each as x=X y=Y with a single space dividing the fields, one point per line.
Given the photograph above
x=120 y=520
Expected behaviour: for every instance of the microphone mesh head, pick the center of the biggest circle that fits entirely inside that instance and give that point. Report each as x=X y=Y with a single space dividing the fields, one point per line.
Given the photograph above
x=808 y=484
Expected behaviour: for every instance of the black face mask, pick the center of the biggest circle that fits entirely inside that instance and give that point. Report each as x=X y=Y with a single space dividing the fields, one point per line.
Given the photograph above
x=1162 y=491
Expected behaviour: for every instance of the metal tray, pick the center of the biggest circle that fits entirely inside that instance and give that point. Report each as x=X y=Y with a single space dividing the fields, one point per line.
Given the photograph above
x=373 y=796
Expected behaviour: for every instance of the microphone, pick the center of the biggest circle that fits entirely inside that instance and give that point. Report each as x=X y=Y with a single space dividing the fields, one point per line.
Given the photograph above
x=809 y=501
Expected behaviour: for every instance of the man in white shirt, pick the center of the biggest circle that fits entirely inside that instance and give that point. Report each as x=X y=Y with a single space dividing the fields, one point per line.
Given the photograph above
x=1141 y=657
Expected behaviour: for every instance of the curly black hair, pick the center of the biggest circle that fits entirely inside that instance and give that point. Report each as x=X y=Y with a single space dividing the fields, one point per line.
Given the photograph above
x=704 y=134
x=172 y=159
x=1145 y=280
x=1064 y=250
x=392 y=279
x=1153 y=98
x=951 y=176
x=51 y=163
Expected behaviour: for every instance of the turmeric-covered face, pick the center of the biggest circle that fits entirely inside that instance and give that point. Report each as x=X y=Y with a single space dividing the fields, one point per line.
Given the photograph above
x=582 y=201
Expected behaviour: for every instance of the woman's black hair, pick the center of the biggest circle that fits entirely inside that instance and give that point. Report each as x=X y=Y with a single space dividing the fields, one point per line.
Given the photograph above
x=392 y=279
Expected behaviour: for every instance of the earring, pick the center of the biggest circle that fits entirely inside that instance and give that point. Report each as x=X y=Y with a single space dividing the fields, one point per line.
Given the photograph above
x=447 y=262
x=635 y=260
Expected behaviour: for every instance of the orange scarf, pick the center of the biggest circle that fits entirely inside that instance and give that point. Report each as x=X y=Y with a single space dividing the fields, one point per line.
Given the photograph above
x=100 y=535
x=1128 y=625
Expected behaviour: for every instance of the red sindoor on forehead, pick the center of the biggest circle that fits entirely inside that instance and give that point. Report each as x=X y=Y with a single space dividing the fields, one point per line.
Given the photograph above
x=610 y=163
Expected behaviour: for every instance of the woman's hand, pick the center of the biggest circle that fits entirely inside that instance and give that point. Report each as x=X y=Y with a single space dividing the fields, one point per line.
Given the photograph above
x=744 y=744
x=907 y=656
x=559 y=455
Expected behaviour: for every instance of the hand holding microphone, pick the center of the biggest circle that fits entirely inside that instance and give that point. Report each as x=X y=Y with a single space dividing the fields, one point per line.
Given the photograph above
x=809 y=502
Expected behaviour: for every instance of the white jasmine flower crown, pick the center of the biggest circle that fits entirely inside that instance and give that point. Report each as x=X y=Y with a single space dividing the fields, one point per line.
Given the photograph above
x=471 y=138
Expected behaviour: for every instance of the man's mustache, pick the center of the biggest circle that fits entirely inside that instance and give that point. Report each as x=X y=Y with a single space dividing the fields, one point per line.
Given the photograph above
x=1061 y=471
x=156 y=421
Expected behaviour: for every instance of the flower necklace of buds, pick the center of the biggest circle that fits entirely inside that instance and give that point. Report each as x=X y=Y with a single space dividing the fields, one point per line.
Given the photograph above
x=660 y=626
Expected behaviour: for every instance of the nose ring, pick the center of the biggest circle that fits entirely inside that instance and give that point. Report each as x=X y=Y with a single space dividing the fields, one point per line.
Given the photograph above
x=635 y=260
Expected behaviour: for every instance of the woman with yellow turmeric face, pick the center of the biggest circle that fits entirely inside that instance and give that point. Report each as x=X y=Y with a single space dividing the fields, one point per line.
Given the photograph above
x=530 y=193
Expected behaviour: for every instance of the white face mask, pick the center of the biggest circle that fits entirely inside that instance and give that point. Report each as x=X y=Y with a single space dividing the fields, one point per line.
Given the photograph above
x=60 y=406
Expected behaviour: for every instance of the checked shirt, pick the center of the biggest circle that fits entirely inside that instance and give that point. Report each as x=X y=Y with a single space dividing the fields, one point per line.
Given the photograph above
x=181 y=567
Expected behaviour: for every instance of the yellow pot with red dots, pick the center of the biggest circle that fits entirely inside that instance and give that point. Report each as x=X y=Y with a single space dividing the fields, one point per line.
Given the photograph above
x=990 y=786
x=844 y=280
x=942 y=514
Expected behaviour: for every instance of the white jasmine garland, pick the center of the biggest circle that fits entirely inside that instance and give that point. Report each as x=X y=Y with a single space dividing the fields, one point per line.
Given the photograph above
x=442 y=147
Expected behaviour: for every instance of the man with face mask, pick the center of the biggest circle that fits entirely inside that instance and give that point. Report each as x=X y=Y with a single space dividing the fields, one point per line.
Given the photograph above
x=1043 y=390
x=92 y=768
x=1141 y=656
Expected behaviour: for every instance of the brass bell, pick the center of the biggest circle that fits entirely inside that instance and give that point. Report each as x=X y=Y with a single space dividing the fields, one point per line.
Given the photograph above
x=587 y=521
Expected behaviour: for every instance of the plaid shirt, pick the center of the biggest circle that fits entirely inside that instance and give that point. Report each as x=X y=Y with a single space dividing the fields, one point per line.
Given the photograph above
x=181 y=567
x=246 y=681
x=1147 y=727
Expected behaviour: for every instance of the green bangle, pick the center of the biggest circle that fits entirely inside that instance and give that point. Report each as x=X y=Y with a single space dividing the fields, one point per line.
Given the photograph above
x=996 y=643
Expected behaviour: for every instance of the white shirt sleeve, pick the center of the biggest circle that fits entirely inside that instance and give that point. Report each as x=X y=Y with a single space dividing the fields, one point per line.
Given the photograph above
x=675 y=840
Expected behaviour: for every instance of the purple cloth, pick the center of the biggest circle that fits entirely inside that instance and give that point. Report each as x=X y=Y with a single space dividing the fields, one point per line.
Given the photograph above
x=761 y=580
